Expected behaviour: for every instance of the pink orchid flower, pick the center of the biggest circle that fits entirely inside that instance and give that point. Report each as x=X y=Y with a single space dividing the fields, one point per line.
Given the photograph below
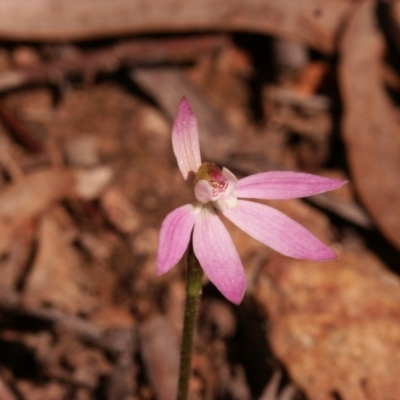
x=218 y=191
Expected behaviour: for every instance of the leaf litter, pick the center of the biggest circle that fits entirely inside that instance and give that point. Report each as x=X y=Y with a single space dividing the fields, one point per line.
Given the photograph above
x=88 y=174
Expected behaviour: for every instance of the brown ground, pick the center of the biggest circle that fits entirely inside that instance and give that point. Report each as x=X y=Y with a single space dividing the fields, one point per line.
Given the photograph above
x=87 y=175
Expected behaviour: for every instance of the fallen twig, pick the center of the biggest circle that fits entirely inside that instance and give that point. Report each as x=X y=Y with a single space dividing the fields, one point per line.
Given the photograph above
x=114 y=343
x=126 y=54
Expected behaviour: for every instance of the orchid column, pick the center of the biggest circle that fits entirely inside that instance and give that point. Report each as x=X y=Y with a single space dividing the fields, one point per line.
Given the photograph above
x=219 y=191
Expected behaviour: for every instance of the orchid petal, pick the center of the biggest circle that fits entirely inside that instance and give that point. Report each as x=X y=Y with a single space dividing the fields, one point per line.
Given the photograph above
x=280 y=185
x=218 y=256
x=231 y=178
x=203 y=191
x=274 y=229
x=185 y=139
x=175 y=236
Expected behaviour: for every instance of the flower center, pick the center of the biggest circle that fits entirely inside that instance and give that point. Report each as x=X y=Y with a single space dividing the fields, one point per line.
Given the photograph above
x=216 y=186
x=213 y=175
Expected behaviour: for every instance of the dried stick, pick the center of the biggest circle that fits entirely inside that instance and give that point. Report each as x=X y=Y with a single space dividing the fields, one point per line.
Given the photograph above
x=11 y=302
x=127 y=54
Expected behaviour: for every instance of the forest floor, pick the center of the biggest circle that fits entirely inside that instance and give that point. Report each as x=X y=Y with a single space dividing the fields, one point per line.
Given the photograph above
x=87 y=175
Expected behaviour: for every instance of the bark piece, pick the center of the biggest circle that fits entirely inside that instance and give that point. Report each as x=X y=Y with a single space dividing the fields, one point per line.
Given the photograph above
x=370 y=126
x=335 y=326
x=315 y=22
x=107 y=60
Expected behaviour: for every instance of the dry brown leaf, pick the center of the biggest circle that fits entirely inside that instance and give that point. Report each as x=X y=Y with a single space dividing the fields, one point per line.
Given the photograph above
x=167 y=85
x=315 y=22
x=89 y=365
x=5 y=392
x=160 y=353
x=90 y=183
x=83 y=151
x=42 y=391
x=17 y=256
x=113 y=318
x=33 y=193
x=57 y=276
x=336 y=325
x=271 y=390
x=25 y=200
x=371 y=127
x=119 y=211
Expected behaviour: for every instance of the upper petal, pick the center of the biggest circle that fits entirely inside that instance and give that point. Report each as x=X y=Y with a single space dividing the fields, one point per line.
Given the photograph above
x=185 y=139
x=279 y=185
x=174 y=237
x=217 y=255
x=274 y=229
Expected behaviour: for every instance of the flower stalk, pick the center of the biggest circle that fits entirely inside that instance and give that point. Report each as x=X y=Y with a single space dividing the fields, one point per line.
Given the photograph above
x=194 y=281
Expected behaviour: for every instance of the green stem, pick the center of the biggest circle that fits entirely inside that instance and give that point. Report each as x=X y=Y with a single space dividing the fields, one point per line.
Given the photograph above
x=193 y=290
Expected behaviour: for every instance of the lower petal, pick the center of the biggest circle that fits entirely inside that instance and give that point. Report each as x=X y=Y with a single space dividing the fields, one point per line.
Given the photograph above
x=218 y=256
x=174 y=237
x=276 y=230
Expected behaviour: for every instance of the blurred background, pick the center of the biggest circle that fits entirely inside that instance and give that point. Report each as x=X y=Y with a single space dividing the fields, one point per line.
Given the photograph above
x=89 y=91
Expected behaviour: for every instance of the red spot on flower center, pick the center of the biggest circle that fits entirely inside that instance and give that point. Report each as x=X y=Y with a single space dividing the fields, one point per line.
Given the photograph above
x=213 y=175
x=218 y=186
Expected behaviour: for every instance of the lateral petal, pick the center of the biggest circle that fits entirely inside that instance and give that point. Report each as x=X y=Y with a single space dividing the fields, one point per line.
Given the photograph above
x=203 y=191
x=175 y=236
x=218 y=256
x=185 y=139
x=280 y=185
x=276 y=230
